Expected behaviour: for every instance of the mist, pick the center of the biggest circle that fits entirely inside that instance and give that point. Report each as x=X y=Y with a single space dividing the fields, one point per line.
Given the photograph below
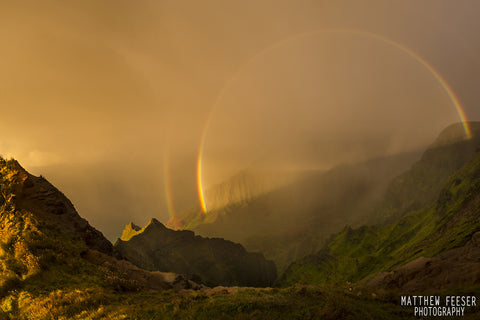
x=107 y=98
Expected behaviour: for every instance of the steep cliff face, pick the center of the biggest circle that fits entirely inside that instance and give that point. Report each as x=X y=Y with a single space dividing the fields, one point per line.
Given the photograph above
x=210 y=261
x=28 y=193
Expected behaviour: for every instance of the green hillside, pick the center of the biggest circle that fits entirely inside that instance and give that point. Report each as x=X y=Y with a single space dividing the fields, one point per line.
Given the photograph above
x=355 y=254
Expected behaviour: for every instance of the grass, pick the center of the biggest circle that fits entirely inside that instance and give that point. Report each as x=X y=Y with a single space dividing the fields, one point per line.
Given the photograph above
x=298 y=302
x=80 y=298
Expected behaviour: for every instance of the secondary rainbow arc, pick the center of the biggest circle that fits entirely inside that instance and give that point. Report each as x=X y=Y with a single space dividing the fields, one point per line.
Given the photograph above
x=167 y=183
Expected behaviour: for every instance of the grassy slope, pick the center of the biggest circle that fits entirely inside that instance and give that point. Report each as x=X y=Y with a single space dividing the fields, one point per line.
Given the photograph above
x=289 y=303
x=40 y=265
x=355 y=254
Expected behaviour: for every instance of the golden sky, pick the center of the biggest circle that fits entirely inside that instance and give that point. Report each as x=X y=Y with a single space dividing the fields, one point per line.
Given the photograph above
x=94 y=93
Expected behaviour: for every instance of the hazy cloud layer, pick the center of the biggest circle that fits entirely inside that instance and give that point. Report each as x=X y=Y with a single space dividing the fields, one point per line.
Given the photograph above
x=94 y=92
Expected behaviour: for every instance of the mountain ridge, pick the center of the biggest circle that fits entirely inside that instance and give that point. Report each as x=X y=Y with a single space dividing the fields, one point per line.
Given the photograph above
x=418 y=186
x=277 y=223
x=37 y=195
x=212 y=261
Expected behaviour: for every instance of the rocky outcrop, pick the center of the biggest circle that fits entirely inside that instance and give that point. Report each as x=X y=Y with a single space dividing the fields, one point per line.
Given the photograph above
x=130 y=230
x=209 y=261
x=435 y=274
x=37 y=195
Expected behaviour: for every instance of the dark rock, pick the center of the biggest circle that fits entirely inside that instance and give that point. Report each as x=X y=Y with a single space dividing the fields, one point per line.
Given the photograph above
x=435 y=274
x=211 y=261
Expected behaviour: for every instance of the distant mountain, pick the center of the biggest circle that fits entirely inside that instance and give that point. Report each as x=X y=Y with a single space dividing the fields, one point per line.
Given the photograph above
x=209 y=261
x=433 y=235
x=420 y=185
x=237 y=190
x=245 y=186
x=291 y=221
x=294 y=220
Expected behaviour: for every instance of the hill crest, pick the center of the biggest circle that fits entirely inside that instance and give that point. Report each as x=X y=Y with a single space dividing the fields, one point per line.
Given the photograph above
x=212 y=261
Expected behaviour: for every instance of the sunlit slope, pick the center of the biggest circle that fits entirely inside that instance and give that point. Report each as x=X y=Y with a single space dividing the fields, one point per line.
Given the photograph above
x=354 y=254
x=40 y=253
x=52 y=262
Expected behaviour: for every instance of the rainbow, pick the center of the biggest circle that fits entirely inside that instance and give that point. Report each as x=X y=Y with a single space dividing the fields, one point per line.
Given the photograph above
x=406 y=50
x=167 y=182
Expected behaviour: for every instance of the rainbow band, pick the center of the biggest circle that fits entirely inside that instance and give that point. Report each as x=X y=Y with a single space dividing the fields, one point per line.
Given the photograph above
x=167 y=182
x=409 y=52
